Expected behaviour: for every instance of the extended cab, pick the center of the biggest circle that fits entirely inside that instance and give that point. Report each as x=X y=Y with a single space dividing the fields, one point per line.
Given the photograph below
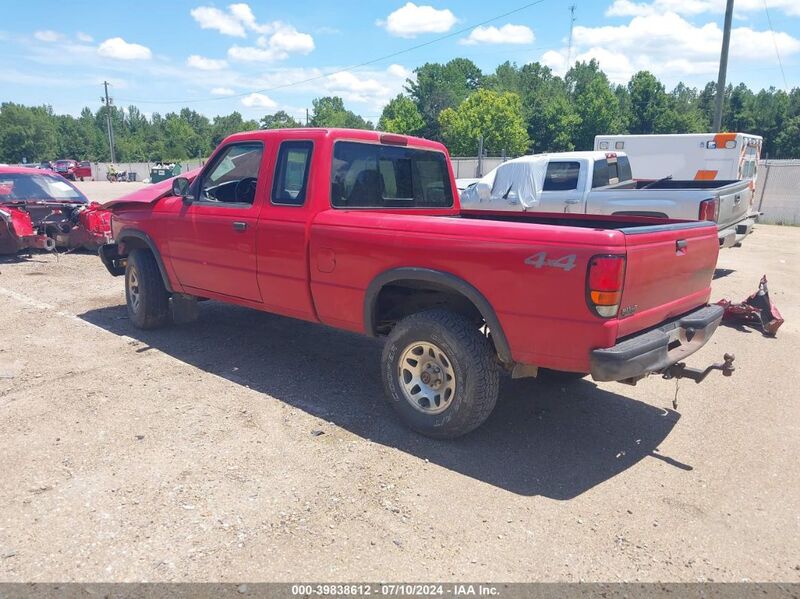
x=363 y=231
x=602 y=183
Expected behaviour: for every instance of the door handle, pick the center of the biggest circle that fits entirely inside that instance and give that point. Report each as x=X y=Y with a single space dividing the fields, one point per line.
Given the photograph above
x=572 y=201
x=239 y=226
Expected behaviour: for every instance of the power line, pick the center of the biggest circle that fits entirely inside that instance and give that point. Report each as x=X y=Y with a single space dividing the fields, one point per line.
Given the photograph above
x=346 y=69
x=775 y=43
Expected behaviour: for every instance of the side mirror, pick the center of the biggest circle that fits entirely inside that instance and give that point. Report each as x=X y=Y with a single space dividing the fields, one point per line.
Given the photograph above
x=484 y=191
x=180 y=189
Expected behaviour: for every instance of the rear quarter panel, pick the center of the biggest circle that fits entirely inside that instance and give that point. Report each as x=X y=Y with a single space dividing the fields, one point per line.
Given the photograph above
x=542 y=310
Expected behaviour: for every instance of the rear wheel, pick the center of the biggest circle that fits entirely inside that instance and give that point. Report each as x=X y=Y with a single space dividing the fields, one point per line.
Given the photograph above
x=147 y=298
x=440 y=373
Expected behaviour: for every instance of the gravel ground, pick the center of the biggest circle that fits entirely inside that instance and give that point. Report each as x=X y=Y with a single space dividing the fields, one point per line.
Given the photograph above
x=252 y=447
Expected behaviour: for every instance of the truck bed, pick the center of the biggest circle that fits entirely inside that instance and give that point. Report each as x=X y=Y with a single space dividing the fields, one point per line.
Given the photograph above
x=629 y=224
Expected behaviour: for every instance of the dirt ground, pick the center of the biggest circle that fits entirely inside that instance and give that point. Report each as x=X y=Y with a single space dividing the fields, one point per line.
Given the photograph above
x=249 y=447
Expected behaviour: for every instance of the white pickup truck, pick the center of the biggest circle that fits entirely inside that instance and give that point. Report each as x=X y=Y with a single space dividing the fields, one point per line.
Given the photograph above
x=602 y=183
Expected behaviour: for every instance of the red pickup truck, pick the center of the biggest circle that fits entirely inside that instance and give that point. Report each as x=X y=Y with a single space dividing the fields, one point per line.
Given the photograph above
x=363 y=231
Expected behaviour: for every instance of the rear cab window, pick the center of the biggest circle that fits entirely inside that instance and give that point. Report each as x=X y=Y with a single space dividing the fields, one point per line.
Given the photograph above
x=610 y=172
x=365 y=175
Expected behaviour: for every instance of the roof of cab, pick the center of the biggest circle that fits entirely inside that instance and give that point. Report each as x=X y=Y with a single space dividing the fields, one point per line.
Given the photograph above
x=334 y=134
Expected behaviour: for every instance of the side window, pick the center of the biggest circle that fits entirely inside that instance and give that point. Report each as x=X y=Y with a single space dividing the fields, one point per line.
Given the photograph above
x=291 y=173
x=600 y=175
x=562 y=176
x=233 y=177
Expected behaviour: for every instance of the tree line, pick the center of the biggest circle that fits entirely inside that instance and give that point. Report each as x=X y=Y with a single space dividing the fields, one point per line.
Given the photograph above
x=515 y=109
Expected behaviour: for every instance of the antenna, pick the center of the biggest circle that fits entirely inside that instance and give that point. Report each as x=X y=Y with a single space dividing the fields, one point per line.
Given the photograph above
x=571 y=28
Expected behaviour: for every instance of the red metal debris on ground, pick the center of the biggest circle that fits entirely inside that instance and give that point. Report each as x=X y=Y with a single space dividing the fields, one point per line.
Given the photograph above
x=757 y=309
x=17 y=232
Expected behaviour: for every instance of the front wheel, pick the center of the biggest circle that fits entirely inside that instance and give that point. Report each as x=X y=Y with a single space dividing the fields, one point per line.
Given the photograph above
x=440 y=373
x=147 y=298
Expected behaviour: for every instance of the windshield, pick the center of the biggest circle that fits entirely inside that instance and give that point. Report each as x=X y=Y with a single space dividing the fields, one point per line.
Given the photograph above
x=19 y=186
x=63 y=163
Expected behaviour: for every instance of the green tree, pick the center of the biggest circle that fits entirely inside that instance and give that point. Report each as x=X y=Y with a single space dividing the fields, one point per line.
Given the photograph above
x=401 y=116
x=787 y=145
x=595 y=104
x=550 y=118
x=27 y=132
x=279 y=120
x=330 y=112
x=650 y=105
x=685 y=111
x=495 y=116
x=440 y=86
x=223 y=126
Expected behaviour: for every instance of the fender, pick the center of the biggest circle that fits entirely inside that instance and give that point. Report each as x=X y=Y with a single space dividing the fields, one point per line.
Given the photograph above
x=144 y=237
x=443 y=279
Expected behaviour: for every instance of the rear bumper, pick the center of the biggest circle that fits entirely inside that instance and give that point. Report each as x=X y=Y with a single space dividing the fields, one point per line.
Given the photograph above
x=734 y=235
x=656 y=349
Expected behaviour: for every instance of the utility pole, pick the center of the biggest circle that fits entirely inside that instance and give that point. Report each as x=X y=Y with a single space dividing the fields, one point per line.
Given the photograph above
x=107 y=102
x=306 y=117
x=571 y=29
x=723 y=67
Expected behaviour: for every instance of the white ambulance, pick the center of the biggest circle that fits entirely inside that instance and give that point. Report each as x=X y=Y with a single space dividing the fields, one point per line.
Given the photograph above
x=698 y=156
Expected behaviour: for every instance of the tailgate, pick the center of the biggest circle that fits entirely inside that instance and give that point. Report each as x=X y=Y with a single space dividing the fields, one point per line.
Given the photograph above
x=734 y=203
x=669 y=271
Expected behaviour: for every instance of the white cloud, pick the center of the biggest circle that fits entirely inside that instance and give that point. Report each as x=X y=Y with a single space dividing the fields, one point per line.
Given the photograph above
x=118 y=48
x=209 y=17
x=205 y=64
x=412 y=20
x=84 y=37
x=507 y=34
x=222 y=91
x=667 y=45
x=237 y=21
x=630 y=8
x=48 y=35
x=244 y=14
x=259 y=101
x=353 y=88
x=285 y=40
x=399 y=71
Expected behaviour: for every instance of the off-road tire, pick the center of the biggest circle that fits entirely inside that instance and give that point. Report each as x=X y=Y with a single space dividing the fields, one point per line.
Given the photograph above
x=146 y=296
x=474 y=364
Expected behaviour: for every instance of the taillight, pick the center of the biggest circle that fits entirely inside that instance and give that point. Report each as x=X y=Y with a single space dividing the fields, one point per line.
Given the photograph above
x=709 y=210
x=604 y=281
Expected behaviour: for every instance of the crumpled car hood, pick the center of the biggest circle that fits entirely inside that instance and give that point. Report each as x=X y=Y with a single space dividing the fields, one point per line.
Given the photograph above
x=150 y=194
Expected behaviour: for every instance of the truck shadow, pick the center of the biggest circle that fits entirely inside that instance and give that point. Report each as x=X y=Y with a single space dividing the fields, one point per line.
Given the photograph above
x=551 y=439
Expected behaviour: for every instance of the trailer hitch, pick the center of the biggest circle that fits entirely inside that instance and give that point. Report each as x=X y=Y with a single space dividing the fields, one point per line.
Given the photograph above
x=681 y=371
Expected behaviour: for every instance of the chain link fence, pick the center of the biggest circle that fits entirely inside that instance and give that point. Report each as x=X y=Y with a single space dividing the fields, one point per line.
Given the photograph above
x=778 y=192
x=473 y=168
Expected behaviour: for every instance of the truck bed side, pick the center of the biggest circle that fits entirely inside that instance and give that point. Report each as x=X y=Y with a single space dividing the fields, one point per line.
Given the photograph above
x=533 y=275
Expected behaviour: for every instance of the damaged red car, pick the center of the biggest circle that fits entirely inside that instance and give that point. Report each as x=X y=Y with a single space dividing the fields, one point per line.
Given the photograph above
x=42 y=210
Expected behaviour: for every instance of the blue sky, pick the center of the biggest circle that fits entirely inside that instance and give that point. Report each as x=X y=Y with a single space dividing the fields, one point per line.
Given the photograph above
x=256 y=57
